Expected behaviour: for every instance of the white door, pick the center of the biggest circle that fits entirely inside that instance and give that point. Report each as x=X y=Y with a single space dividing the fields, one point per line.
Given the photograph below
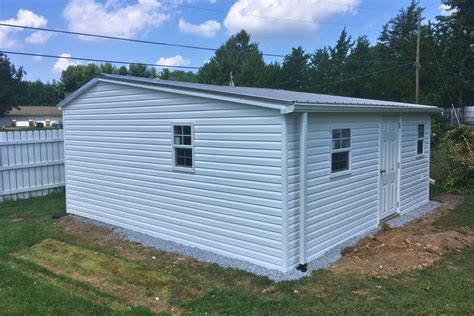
x=389 y=164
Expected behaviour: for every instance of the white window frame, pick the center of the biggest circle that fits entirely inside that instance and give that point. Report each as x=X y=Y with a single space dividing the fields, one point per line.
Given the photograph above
x=418 y=138
x=176 y=146
x=334 y=151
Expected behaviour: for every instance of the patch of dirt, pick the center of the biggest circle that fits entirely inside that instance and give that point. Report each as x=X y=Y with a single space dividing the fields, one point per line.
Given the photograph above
x=417 y=245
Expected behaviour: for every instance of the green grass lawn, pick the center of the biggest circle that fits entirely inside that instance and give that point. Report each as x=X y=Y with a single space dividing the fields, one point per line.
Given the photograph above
x=47 y=270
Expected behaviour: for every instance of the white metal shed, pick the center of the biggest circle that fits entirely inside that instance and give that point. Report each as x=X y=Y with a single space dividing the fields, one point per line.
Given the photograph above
x=269 y=176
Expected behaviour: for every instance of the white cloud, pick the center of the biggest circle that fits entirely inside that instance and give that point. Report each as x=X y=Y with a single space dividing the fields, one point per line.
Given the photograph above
x=26 y=18
x=62 y=63
x=269 y=18
x=37 y=58
x=113 y=18
x=177 y=60
x=445 y=9
x=38 y=37
x=206 y=29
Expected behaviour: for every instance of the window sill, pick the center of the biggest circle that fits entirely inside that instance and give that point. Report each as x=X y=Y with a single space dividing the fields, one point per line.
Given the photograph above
x=183 y=169
x=340 y=174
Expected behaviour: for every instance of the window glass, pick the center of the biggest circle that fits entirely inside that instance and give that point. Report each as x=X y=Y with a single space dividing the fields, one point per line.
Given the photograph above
x=340 y=161
x=183 y=146
x=421 y=131
x=421 y=139
x=419 y=147
x=184 y=157
x=341 y=143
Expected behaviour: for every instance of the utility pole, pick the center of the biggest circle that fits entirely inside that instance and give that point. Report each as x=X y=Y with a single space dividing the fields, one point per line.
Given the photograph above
x=418 y=38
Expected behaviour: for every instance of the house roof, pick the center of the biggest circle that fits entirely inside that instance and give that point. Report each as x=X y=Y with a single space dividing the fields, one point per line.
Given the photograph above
x=34 y=110
x=286 y=101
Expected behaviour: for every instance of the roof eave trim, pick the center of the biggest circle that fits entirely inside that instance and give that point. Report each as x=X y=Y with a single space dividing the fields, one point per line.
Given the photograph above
x=328 y=108
x=282 y=106
x=77 y=93
x=229 y=97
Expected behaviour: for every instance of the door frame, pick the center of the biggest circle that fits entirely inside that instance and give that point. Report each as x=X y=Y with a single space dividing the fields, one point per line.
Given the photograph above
x=399 y=164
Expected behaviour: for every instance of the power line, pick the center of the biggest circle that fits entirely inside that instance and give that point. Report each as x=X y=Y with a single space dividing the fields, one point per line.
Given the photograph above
x=274 y=18
x=445 y=85
x=180 y=67
x=118 y=38
x=167 y=44
x=361 y=76
x=96 y=60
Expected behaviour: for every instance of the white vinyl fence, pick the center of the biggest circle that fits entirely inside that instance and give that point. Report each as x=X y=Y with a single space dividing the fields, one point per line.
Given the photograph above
x=31 y=163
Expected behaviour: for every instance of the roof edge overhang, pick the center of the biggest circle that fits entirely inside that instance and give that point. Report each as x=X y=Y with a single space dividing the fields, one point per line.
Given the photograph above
x=362 y=108
x=282 y=106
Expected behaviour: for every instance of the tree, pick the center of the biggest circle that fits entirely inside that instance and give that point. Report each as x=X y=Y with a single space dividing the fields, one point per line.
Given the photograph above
x=357 y=64
x=75 y=76
x=178 y=75
x=294 y=70
x=319 y=72
x=122 y=71
x=453 y=46
x=272 y=75
x=397 y=43
x=239 y=56
x=10 y=84
x=140 y=70
x=107 y=68
x=338 y=55
x=37 y=93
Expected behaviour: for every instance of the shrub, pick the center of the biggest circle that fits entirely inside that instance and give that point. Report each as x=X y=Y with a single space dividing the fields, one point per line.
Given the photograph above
x=460 y=159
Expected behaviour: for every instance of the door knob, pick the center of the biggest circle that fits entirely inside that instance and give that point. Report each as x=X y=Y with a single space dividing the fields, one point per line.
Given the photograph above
x=382 y=171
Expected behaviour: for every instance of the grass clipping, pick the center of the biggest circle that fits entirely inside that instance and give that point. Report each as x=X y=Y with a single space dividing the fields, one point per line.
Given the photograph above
x=133 y=283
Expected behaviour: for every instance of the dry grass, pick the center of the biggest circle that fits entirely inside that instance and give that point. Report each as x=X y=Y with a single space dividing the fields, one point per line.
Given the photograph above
x=133 y=283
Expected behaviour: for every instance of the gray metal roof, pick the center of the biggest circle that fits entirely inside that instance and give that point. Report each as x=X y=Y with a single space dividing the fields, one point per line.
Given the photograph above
x=284 y=100
x=283 y=96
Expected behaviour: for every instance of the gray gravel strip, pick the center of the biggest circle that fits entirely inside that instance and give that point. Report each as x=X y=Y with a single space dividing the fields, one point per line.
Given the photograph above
x=421 y=211
x=324 y=261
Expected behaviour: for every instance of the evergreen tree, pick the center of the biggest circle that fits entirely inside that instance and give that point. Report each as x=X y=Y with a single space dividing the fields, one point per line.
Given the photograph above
x=138 y=70
x=178 y=75
x=319 y=71
x=122 y=71
x=107 y=68
x=272 y=75
x=237 y=55
x=294 y=70
x=37 y=93
x=357 y=64
x=10 y=84
x=454 y=48
x=338 y=55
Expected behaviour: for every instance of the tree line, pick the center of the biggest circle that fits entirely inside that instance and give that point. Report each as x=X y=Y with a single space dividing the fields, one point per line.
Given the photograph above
x=351 y=67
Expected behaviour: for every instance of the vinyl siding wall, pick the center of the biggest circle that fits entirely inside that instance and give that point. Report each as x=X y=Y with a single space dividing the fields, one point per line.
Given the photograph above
x=119 y=170
x=414 y=173
x=337 y=207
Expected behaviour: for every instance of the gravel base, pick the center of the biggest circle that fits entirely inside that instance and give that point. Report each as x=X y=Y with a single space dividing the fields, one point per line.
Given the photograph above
x=421 y=211
x=324 y=261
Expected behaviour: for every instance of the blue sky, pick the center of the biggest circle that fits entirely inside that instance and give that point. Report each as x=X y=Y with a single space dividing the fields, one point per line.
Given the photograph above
x=271 y=22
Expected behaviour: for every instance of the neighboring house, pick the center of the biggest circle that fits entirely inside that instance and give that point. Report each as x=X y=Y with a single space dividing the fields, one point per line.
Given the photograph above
x=269 y=176
x=29 y=115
